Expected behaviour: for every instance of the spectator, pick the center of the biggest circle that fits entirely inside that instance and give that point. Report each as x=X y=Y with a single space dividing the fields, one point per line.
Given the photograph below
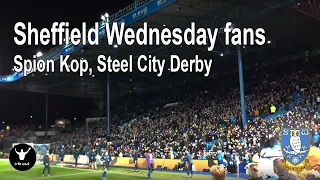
x=281 y=172
x=218 y=172
x=253 y=172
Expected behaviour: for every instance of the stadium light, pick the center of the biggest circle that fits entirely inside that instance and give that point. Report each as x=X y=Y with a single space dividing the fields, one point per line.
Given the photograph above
x=75 y=119
x=30 y=116
x=221 y=54
x=39 y=54
x=105 y=17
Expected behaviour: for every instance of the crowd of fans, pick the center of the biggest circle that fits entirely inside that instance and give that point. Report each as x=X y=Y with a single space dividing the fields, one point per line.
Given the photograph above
x=209 y=121
x=16 y=130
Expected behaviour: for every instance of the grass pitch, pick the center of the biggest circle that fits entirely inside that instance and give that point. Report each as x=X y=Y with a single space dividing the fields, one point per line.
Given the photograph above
x=7 y=172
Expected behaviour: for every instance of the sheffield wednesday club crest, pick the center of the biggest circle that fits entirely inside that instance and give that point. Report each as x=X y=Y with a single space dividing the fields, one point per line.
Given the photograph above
x=295 y=144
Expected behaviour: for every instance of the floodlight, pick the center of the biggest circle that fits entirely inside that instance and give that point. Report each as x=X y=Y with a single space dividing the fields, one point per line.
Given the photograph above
x=39 y=54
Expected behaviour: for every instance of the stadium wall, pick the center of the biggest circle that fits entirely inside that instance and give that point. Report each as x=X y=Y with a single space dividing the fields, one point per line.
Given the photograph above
x=170 y=164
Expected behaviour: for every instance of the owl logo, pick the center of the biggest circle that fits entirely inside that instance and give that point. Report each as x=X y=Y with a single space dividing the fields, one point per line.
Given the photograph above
x=295 y=144
x=295 y=141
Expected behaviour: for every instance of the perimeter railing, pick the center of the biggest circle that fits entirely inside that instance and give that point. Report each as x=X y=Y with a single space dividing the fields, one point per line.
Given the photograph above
x=112 y=17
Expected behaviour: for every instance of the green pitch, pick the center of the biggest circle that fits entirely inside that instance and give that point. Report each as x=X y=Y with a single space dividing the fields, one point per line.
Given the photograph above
x=64 y=173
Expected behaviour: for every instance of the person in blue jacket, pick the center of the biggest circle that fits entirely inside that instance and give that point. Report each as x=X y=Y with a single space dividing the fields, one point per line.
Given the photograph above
x=76 y=157
x=61 y=155
x=89 y=154
x=135 y=160
x=220 y=158
x=93 y=159
x=190 y=163
x=106 y=159
x=46 y=164
x=316 y=139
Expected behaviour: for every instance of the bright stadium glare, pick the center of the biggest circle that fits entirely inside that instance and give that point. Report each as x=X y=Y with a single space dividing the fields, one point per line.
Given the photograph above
x=39 y=54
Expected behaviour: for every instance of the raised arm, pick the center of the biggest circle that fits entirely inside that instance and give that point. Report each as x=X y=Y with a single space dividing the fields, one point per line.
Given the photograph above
x=28 y=150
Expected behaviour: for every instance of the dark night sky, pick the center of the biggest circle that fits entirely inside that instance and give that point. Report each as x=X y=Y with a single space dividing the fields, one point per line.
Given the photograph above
x=17 y=107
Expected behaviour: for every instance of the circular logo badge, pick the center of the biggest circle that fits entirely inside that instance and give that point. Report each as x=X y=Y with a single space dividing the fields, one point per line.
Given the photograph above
x=22 y=157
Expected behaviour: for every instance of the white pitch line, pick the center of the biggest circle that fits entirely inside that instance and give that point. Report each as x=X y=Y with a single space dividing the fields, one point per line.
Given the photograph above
x=62 y=175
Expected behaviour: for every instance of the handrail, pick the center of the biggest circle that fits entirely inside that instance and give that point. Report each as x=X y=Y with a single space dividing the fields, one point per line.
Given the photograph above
x=112 y=17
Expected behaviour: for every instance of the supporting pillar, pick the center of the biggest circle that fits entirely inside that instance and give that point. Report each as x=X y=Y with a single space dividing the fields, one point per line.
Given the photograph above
x=108 y=105
x=46 y=126
x=243 y=103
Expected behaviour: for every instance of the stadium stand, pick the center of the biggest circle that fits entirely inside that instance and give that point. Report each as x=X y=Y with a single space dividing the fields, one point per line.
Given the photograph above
x=208 y=121
x=203 y=117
